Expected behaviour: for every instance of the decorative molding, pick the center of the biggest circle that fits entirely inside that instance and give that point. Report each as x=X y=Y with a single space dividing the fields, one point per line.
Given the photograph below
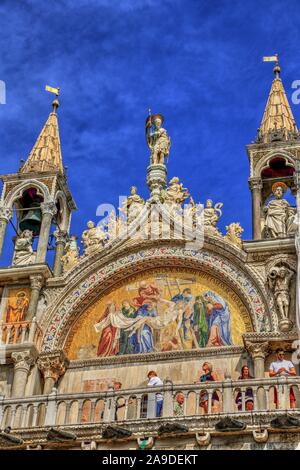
x=52 y=365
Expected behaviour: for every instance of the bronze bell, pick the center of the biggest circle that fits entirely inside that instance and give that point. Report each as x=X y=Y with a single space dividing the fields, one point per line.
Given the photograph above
x=32 y=219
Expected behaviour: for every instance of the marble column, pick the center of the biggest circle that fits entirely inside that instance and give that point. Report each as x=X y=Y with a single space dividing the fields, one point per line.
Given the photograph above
x=5 y=216
x=23 y=360
x=52 y=365
x=36 y=283
x=60 y=236
x=258 y=353
x=255 y=185
x=48 y=211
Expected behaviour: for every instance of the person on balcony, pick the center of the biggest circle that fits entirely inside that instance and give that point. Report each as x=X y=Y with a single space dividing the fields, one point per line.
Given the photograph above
x=179 y=405
x=155 y=381
x=249 y=400
x=285 y=368
x=208 y=376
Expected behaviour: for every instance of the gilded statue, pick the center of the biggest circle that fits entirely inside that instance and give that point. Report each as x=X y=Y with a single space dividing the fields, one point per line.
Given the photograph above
x=175 y=192
x=211 y=216
x=234 y=234
x=93 y=238
x=133 y=205
x=157 y=139
x=71 y=254
x=279 y=221
x=23 y=254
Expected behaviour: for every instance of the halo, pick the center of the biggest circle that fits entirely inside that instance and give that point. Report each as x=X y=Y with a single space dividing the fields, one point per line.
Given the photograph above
x=279 y=184
x=155 y=116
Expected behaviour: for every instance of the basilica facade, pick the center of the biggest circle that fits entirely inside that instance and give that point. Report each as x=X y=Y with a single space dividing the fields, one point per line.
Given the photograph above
x=152 y=329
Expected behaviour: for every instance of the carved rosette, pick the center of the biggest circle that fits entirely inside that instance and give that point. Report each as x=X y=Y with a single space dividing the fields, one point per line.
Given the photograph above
x=22 y=360
x=52 y=365
x=5 y=213
x=257 y=350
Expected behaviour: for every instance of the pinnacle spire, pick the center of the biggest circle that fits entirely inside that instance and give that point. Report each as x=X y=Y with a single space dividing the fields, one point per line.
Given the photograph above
x=278 y=116
x=46 y=152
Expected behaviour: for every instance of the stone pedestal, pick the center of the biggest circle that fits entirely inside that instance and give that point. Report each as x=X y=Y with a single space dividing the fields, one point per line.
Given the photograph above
x=23 y=360
x=52 y=365
x=255 y=185
x=48 y=211
x=156 y=180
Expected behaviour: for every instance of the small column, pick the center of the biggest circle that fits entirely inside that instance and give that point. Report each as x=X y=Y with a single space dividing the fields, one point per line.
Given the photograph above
x=23 y=361
x=52 y=365
x=168 y=404
x=5 y=216
x=36 y=283
x=255 y=185
x=48 y=210
x=227 y=394
x=258 y=353
x=60 y=236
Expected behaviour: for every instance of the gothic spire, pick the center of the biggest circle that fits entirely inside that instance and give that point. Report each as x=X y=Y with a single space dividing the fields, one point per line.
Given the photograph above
x=46 y=152
x=278 y=116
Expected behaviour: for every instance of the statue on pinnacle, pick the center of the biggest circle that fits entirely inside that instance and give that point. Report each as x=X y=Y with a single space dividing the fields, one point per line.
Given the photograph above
x=157 y=139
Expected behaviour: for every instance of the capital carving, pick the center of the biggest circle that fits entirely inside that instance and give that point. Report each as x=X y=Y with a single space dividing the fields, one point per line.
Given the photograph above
x=255 y=183
x=257 y=350
x=5 y=213
x=52 y=365
x=36 y=282
x=22 y=360
x=60 y=236
x=48 y=208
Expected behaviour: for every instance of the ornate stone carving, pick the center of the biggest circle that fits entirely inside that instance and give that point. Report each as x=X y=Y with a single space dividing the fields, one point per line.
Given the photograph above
x=257 y=350
x=36 y=282
x=211 y=217
x=93 y=238
x=280 y=216
x=48 y=208
x=175 y=193
x=279 y=281
x=203 y=440
x=59 y=435
x=234 y=234
x=157 y=139
x=22 y=360
x=5 y=213
x=23 y=254
x=60 y=236
x=71 y=254
x=133 y=205
x=52 y=365
x=255 y=183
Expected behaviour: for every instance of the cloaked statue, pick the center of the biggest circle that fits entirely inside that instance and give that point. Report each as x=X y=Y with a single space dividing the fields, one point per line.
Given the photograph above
x=157 y=139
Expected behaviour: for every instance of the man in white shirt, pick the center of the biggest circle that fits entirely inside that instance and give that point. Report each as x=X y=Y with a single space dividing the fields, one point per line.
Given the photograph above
x=155 y=381
x=283 y=367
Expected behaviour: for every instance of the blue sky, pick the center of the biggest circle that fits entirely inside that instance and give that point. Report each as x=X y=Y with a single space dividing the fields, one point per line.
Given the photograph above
x=197 y=62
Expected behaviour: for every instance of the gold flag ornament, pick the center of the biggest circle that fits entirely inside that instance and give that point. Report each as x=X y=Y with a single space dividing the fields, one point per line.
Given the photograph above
x=52 y=90
x=270 y=58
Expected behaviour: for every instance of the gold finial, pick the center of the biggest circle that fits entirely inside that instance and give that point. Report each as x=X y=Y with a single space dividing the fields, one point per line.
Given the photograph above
x=55 y=91
x=273 y=58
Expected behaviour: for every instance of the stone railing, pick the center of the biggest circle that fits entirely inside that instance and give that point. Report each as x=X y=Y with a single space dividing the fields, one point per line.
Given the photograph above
x=20 y=332
x=139 y=405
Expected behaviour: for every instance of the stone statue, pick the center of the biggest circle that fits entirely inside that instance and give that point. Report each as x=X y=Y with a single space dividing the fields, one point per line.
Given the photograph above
x=279 y=221
x=211 y=216
x=92 y=238
x=175 y=192
x=133 y=205
x=157 y=139
x=24 y=253
x=234 y=234
x=279 y=280
x=71 y=254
